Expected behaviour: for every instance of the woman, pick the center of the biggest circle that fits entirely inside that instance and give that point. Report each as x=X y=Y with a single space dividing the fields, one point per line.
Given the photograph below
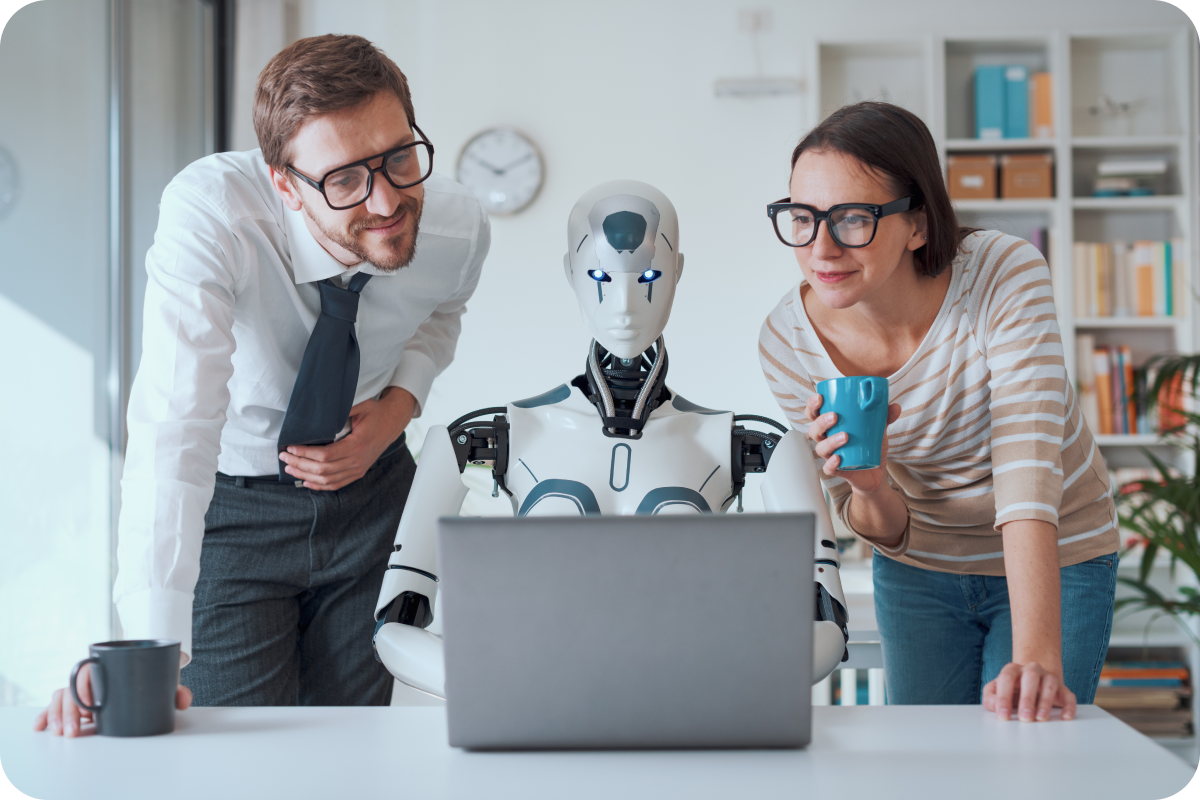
x=991 y=515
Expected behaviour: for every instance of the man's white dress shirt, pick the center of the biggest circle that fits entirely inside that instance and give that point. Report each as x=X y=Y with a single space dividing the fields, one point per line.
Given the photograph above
x=230 y=302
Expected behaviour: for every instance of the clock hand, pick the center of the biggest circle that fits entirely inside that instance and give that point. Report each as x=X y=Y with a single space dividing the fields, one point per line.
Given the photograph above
x=519 y=161
x=487 y=165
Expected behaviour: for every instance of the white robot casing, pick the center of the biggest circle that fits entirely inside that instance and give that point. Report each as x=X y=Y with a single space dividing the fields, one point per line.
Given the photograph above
x=562 y=461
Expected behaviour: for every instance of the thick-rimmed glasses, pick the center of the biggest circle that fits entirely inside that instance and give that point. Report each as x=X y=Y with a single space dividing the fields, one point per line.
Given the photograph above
x=850 y=224
x=350 y=185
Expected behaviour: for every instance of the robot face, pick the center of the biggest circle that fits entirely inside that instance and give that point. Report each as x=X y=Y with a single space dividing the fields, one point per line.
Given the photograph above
x=623 y=263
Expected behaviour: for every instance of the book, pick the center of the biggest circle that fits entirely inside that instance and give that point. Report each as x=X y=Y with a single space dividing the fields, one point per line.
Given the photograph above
x=1129 y=404
x=989 y=102
x=1180 y=673
x=1117 y=279
x=1016 y=103
x=1041 y=106
x=1122 y=664
x=1103 y=370
x=1140 y=698
x=1156 y=682
x=1085 y=347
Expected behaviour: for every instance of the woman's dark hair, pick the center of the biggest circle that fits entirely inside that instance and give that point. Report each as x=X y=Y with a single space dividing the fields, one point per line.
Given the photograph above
x=895 y=143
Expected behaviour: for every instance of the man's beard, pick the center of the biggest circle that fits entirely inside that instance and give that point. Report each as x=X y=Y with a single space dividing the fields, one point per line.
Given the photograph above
x=400 y=247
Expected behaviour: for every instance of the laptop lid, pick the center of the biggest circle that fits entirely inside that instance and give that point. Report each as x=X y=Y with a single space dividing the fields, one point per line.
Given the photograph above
x=628 y=632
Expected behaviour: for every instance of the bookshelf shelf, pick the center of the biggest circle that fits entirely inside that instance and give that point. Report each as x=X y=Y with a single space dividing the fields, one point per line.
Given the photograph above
x=1157 y=203
x=1127 y=141
x=1126 y=439
x=986 y=206
x=999 y=145
x=1130 y=322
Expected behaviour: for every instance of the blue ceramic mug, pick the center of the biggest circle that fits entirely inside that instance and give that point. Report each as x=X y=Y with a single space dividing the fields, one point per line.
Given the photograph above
x=861 y=405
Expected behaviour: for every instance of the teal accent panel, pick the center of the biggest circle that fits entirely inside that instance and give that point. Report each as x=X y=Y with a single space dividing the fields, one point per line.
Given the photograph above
x=687 y=405
x=612 y=467
x=654 y=502
x=555 y=395
x=575 y=491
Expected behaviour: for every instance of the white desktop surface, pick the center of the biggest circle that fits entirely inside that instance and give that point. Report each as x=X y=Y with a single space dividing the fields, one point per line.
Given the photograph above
x=892 y=752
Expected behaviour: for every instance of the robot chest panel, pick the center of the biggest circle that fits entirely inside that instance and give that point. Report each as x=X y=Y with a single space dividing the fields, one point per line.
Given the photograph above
x=561 y=463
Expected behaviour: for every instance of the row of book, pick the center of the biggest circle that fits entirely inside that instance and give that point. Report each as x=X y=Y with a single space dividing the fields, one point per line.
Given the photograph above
x=1114 y=395
x=1149 y=696
x=1120 y=279
x=1011 y=103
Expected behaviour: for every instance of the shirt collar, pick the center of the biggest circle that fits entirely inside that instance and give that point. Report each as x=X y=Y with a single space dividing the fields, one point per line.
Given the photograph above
x=310 y=261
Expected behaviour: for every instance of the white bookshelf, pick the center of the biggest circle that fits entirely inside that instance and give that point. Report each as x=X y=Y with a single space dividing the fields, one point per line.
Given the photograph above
x=1154 y=72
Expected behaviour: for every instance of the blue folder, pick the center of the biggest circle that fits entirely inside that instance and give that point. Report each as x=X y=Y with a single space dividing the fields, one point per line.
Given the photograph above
x=1016 y=102
x=989 y=102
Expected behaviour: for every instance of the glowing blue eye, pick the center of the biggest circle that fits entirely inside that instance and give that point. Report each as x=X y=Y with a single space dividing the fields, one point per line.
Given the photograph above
x=599 y=275
x=649 y=276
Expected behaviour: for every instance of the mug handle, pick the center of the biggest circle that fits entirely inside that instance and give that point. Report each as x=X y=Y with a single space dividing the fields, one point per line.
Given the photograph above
x=75 y=677
x=866 y=395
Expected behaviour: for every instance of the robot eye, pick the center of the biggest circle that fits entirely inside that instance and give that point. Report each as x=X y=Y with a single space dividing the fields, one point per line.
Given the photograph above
x=649 y=276
x=600 y=276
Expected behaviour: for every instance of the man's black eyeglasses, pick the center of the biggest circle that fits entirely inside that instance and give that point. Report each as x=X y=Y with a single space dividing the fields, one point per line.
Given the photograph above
x=850 y=224
x=350 y=185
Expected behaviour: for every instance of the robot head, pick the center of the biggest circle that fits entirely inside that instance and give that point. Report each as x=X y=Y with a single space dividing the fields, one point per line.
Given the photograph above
x=623 y=262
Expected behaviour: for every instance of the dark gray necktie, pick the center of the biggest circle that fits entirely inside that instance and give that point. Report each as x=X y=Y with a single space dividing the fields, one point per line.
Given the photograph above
x=324 y=390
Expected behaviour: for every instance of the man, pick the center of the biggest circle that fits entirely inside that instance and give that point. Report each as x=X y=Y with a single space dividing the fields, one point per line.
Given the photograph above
x=330 y=269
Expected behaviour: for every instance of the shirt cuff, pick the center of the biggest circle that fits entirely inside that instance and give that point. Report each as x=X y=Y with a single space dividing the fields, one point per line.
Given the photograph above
x=158 y=614
x=415 y=373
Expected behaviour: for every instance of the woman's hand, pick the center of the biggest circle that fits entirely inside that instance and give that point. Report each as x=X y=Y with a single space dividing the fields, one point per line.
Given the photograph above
x=66 y=718
x=861 y=480
x=1032 y=690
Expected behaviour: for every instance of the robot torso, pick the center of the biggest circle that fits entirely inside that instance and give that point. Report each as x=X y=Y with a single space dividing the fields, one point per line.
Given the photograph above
x=561 y=463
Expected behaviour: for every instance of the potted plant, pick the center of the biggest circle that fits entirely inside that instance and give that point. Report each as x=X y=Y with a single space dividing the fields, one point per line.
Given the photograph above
x=1164 y=513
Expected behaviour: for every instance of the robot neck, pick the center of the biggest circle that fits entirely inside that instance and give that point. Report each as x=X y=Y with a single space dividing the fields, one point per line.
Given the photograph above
x=625 y=391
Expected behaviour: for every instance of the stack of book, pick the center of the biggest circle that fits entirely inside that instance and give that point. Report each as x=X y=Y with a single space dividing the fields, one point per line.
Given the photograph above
x=1150 y=696
x=1011 y=103
x=1117 y=279
x=1139 y=177
x=1114 y=395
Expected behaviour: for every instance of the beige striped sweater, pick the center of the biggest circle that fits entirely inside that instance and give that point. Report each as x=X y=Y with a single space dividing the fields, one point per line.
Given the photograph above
x=990 y=430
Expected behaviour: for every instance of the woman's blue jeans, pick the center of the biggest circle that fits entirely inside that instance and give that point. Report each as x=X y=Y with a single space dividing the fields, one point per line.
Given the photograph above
x=946 y=635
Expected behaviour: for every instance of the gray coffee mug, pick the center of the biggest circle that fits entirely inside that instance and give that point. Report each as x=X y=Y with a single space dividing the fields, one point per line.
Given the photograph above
x=133 y=686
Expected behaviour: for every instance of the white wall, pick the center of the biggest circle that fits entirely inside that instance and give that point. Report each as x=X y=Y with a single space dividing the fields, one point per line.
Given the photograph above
x=624 y=89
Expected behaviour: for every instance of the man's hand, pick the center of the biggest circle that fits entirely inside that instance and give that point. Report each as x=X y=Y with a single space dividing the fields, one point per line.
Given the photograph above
x=64 y=718
x=374 y=424
x=1032 y=690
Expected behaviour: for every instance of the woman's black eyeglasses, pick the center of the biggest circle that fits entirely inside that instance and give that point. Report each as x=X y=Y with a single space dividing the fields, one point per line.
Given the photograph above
x=850 y=224
x=350 y=185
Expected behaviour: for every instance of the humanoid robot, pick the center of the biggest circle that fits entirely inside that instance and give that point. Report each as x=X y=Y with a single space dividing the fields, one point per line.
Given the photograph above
x=614 y=440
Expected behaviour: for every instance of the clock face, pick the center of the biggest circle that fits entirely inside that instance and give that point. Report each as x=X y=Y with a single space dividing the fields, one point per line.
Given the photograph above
x=503 y=168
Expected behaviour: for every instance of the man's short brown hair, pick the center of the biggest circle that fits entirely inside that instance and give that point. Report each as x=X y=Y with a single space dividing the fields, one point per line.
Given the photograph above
x=316 y=76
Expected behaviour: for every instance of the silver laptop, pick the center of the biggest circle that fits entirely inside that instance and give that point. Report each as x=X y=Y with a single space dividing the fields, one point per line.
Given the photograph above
x=628 y=632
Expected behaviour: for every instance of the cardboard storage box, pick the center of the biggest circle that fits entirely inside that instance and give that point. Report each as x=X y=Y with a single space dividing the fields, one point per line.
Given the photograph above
x=971 y=177
x=1027 y=175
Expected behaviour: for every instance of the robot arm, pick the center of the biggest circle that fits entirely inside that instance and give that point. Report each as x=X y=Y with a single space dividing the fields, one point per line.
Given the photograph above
x=409 y=591
x=407 y=598
x=791 y=484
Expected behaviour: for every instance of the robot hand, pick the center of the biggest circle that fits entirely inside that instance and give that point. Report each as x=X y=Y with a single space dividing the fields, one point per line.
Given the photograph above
x=413 y=655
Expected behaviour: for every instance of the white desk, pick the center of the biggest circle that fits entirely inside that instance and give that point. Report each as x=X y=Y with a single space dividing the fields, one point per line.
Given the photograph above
x=888 y=753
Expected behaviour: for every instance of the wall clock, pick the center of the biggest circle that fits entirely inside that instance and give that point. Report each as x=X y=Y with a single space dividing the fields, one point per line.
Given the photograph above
x=503 y=167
